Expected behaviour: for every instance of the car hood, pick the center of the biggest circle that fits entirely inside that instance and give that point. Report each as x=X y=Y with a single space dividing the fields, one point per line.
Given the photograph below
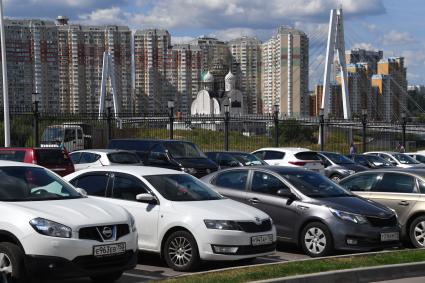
x=357 y=205
x=197 y=163
x=222 y=209
x=75 y=212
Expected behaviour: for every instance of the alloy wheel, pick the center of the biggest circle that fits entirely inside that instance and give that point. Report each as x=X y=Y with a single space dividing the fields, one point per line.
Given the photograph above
x=5 y=268
x=315 y=240
x=180 y=251
x=419 y=233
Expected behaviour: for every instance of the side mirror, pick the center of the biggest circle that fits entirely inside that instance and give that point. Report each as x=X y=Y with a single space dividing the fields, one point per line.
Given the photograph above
x=82 y=192
x=286 y=193
x=146 y=198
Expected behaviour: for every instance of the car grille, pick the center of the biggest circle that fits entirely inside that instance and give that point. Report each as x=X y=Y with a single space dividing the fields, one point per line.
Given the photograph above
x=92 y=233
x=382 y=222
x=252 y=227
x=92 y=263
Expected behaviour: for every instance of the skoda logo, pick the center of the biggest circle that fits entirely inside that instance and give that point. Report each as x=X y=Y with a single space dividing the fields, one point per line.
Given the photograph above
x=107 y=232
x=258 y=221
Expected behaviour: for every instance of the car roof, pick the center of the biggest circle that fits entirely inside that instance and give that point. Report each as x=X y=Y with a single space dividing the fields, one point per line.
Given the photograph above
x=387 y=152
x=229 y=152
x=102 y=150
x=4 y=163
x=274 y=168
x=134 y=170
x=285 y=149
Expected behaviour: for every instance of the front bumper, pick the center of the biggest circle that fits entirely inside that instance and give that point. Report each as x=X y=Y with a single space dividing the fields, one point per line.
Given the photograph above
x=82 y=266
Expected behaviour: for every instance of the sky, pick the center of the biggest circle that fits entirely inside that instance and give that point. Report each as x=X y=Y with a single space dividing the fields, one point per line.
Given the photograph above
x=394 y=26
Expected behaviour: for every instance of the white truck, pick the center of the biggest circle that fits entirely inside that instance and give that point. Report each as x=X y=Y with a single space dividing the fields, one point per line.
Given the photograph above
x=72 y=135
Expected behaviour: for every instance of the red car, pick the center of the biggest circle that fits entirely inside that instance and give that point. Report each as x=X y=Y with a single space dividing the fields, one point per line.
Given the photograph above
x=54 y=159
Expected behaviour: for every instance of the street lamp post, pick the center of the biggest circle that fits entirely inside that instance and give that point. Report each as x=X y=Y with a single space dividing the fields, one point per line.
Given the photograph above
x=364 y=123
x=276 y=124
x=226 y=124
x=109 y=116
x=5 y=81
x=36 y=101
x=403 y=127
x=322 y=129
x=171 y=117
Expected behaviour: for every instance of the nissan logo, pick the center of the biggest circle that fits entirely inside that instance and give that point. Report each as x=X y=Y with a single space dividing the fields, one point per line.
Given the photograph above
x=107 y=232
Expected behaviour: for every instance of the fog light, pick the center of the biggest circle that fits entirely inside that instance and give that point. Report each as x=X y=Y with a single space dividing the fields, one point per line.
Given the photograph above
x=351 y=241
x=224 y=250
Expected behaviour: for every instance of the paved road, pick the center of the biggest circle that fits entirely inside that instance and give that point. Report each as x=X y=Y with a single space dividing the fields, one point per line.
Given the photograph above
x=406 y=280
x=151 y=267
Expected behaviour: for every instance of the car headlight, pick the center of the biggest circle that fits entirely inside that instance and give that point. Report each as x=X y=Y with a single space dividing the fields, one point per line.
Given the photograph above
x=189 y=170
x=51 y=228
x=355 y=218
x=222 y=224
x=133 y=227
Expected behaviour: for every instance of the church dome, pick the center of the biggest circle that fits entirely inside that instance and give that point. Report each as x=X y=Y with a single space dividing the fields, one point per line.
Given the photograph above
x=208 y=78
x=230 y=77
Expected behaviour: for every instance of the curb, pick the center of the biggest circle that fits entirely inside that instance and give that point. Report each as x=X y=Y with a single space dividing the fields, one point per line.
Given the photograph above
x=357 y=275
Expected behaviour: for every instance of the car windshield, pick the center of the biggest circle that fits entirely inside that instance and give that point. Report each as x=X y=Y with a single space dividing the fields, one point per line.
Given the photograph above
x=52 y=134
x=33 y=184
x=405 y=159
x=247 y=159
x=182 y=187
x=315 y=185
x=337 y=158
x=378 y=161
x=181 y=150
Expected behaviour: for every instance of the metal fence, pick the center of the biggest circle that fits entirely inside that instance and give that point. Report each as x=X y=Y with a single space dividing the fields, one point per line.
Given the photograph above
x=244 y=133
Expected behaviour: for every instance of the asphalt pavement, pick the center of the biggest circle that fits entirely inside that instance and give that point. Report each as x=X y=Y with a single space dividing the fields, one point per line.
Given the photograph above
x=151 y=267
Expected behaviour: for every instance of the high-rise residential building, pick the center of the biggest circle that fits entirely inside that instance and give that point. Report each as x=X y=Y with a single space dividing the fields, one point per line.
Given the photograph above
x=152 y=91
x=81 y=51
x=335 y=99
x=370 y=57
x=32 y=63
x=246 y=65
x=284 y=72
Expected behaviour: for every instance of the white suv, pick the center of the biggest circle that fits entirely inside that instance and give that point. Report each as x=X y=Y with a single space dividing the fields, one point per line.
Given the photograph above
x=179 y=216
x=49 y=230
x=291 y=156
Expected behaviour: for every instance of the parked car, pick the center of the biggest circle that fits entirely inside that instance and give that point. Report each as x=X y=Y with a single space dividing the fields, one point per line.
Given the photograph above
x=52 y=158
x=179 y=216
x=397 y=159
x=309 y=209
x=50 y=230
x=172 y=154
x=400 y=190
x=291 y=156
x=337 y=166
x=370 y=161
x=419 y=156
x=226 y=159
x=103 y=157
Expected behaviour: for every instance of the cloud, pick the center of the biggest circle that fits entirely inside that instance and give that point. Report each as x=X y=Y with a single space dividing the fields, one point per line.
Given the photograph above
x=364 y=45
x=108 y=16
x=397 y=38
x=181 y=39
x=232 y=33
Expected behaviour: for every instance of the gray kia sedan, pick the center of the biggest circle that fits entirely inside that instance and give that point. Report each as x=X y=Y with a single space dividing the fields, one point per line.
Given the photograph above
x=309 y=209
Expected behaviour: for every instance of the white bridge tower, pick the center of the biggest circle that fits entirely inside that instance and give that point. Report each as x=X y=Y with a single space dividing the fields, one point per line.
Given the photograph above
x=108 y=73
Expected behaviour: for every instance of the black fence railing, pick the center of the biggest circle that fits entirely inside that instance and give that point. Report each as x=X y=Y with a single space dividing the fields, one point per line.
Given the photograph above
x=244 y=133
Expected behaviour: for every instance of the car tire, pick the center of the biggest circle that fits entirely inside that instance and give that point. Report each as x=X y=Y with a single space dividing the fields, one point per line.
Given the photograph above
x=12 y=264
x=181 y=251
x=107 y=277
x=417 y=232
x=316 y=240
x=336 y=178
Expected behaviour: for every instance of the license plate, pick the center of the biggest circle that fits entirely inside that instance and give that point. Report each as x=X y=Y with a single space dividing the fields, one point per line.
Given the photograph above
x=108 y=250
x=387 y=237
x=262 y=240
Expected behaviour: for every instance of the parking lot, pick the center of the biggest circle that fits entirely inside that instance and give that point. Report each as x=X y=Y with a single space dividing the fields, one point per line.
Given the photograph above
x=151 y=267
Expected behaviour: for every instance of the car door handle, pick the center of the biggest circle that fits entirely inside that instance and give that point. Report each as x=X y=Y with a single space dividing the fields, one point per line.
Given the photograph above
x=403 y=203
x=254 y=200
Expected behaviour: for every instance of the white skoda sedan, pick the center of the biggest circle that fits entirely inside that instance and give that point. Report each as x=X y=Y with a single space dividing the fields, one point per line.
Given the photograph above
x=180 y=217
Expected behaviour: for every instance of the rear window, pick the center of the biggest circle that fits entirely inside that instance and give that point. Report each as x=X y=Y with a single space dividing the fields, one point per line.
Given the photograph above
x=52 y=157
x=138 y=145
x=307 y=155
x=123 y=158
x=12 y=155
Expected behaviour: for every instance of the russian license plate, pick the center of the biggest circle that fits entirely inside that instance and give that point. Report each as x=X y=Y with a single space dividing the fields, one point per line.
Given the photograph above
x=108 y=250
x=262 y=240
x=387 y=237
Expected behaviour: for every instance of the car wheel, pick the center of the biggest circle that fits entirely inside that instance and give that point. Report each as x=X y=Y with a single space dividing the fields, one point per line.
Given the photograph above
x=107 y=277
x=12 y=267
x=316 y=240
x=417 y=232
x=336 y=178
x=181 y=252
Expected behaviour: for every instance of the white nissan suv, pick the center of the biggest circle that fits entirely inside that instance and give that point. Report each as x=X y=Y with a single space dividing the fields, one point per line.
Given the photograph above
x=50 y=230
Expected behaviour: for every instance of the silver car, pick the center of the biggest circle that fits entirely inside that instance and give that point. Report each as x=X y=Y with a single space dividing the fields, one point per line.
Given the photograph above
x=309 y=209
x=83 y=159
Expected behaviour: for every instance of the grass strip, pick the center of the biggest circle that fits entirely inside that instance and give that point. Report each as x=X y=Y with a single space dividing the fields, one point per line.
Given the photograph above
x=246 y=274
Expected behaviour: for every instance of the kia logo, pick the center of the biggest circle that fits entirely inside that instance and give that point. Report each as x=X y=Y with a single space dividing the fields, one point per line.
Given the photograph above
x=107 y=232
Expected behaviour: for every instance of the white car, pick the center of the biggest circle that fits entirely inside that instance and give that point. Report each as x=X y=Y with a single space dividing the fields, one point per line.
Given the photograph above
x=398 y=159
x=419 y=156
x=291 y=156
x=83 y=159
x=48 y=229
x=179 y=216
